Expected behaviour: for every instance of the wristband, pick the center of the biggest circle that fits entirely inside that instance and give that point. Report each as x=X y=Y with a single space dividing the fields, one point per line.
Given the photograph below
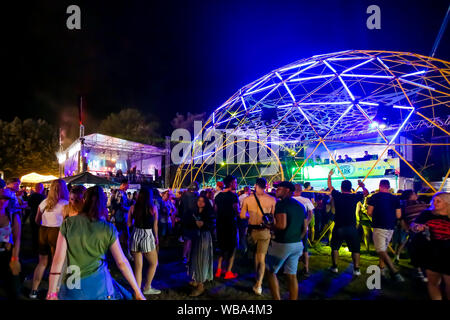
x=55 y=273
x=52 y=295
x=14 y=258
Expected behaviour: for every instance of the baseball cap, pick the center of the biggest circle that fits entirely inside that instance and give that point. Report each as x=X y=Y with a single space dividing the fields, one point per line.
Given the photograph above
x=220 y=184
x=288 y=185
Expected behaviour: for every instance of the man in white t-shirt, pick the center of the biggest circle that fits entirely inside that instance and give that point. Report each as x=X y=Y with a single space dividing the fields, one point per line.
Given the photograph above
x=310 y=219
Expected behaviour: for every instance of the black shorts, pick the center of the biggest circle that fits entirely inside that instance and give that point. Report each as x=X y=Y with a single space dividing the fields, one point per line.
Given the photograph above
x=227 y=241
x=347 y=234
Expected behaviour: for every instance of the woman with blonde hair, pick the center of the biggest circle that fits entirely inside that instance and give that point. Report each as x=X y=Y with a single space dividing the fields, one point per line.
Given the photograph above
x=50 y=217
x=434 y=227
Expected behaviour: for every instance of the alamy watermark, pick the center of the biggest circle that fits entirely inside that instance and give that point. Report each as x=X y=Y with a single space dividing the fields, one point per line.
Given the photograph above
x=374 y=20
x=373 y=282
x=74 y=20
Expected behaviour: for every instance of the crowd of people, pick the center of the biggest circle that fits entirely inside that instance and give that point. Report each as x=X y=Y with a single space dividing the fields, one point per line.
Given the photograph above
x=75 y=227
x=366 y=157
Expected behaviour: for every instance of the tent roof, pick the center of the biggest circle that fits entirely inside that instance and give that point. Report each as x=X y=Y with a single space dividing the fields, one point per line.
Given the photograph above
x=36 y=177
x=99 y=141
x=88 y=178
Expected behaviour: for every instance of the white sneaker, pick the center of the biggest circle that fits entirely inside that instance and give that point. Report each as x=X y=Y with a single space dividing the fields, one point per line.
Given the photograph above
x=152 y=291
x=33 y=294
x=334 y=269
x=257 y=291
x=398 y=277
x=356 y=272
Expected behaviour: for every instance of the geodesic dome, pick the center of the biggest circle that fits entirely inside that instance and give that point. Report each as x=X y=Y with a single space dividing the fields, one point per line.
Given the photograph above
x=355 y=96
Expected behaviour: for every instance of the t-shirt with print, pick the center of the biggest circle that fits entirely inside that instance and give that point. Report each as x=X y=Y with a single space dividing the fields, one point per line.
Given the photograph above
x=52 y=217
x=295 y=218
x=345 y=208
x=87 y=242
x=384 y=212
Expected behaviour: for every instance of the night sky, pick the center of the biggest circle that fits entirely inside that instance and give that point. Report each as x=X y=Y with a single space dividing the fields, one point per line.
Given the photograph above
x=164 y=57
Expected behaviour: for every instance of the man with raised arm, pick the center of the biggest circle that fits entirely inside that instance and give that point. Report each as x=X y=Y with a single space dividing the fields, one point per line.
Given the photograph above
x=345 y=204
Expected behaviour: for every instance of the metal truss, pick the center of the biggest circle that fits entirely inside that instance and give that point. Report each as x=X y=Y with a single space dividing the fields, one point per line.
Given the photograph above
x=336 y=96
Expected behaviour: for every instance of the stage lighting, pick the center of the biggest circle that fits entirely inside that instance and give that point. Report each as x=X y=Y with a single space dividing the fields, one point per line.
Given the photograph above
x=384 y=117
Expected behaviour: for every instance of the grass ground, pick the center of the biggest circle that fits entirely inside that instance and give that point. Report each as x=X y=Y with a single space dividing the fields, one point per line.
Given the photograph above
x=172 y=279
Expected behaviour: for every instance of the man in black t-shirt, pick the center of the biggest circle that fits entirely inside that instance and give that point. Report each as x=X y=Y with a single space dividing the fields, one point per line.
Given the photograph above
x=187 y=208
x=227 y=208
x=34 y=200
x=384 y=208
x=286 y=248
x=345 y=203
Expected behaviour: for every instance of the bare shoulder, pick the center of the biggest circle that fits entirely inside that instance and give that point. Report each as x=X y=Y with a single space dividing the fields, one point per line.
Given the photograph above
x=270 y=198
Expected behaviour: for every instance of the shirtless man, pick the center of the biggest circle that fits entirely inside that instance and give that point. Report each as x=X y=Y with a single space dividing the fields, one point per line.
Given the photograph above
x=259 y=233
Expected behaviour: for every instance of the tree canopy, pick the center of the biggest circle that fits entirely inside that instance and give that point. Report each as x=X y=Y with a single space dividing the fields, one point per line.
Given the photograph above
x=27 y=146
x=133 y=125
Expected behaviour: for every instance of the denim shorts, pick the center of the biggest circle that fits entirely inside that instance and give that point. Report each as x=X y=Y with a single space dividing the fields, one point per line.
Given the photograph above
x=97 y=286
x=284 y=254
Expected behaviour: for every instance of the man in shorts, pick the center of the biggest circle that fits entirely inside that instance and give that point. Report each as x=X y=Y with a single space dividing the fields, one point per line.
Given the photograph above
x=287 y=247
x=227 y=208
x=384 y=208
x=259 y=233
x=345 y=204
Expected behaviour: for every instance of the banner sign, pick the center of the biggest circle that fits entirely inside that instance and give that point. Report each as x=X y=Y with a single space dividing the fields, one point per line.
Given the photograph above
x=351 y=169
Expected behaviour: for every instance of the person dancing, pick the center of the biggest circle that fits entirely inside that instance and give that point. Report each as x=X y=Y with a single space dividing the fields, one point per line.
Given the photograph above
x=85 y=239
x=50 y=217
x=144 y=239
x=435 y=252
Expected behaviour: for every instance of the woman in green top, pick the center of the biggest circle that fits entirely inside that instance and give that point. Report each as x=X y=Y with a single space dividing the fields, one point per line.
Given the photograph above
x=85 y=239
